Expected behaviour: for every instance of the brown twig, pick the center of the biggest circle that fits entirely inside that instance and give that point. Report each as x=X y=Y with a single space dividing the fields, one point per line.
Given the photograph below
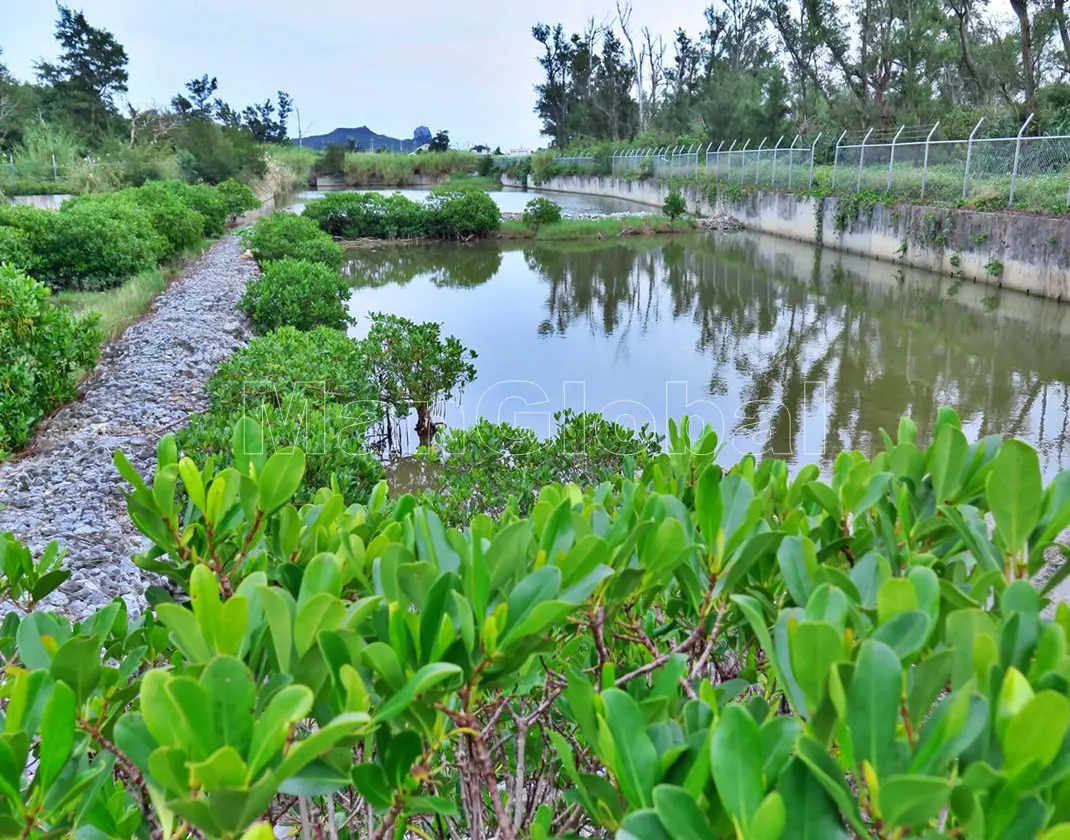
x=133 y=776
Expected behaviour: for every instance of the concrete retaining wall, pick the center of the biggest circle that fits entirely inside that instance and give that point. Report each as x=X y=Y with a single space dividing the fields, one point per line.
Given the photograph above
x=1017 y=251
x=44 y=202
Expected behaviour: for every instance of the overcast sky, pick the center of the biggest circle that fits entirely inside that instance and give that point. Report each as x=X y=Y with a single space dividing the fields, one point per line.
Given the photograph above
x=466 y=66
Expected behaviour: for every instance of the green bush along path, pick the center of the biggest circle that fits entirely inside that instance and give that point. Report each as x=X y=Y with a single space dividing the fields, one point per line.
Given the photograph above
x=147 y=383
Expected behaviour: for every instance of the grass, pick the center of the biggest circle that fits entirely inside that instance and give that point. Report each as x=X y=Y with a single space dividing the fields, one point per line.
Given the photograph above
x=575 y=229
x=474 y=182
x=393 y=169
x=120 y=306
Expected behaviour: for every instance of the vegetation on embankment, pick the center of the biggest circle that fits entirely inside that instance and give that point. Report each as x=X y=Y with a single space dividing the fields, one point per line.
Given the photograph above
x=121 y=305
x=391 y=169
x=579 y=229
x=106 y=256
x=445 y=214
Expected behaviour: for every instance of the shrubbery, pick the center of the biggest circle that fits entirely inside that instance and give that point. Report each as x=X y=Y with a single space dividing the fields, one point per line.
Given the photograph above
x=96 y=241
x=446 y=214
x=699 y=651
x=311 y=389
x=322 y=363
x=43 y=348
x=286 y=235
x=94 y=244
x=15 y=248
x=541 y=211
x=296 y=293
x=239 y=197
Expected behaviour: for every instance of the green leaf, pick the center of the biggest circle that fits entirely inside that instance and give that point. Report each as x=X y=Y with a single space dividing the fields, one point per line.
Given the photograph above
x=810 y=813
x=908 y=801
x=280 y=478
x=680 y=815
x=815 y=646
x=906 y=633
x=232 y=697
x=222 y=770
x=370 y=781
x=280 y=623
x=873 y=703
x=1015 y=493
x=1036 y=733
x=185 y=632
x=57 y=734
x=642 y=825
x=770 y=819
x=272 y=729
x=736 y=760
x=302 y=753
x=946 y=460
x=541 y=585
x=423 y=681
x=636 y=760
x=77 y=663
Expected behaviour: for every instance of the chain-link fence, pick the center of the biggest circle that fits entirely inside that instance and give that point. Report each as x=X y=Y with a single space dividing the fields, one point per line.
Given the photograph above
x=914 y=162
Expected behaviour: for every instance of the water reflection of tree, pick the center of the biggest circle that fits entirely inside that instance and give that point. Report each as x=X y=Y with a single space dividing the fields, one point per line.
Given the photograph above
x=878 y=349
x=450 y=266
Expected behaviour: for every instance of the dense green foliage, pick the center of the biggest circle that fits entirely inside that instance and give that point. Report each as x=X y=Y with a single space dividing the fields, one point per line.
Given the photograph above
x=696 y=652
x=239 y=197
x=398 y=170
x=445 y=214
x=287 y=235
x=415 y=367
x=43 y=349
x=97 y=241
x=492 y=467
x=541 y=211
x=297 y=293
x=767 y=69
x=675 y=205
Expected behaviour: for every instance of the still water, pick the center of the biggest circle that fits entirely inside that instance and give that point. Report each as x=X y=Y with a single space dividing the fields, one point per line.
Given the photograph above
x=787 y=350
x=510 y=201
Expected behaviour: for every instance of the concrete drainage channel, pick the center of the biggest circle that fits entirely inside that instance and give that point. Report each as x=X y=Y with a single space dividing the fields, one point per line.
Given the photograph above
x=65 y=486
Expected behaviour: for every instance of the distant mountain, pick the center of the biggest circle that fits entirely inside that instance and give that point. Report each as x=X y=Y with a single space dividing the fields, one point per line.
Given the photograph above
x=366 y=139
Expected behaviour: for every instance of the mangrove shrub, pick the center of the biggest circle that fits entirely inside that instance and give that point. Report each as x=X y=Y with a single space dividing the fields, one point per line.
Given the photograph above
x=700 y=651
x=43 y=349
x=445 y=214
x=287 y=235
x=296 y=293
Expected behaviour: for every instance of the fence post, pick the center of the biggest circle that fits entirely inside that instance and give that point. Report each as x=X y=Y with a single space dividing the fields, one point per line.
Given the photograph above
x=861 y=157
x=813 y=151
x=969 y=156
x=776 y=148
x=743 y=160
x=835 y=160
x=1017 y=155
x=891 y=157
x=791 y=159
x=729 y=153
x=55 y=173
x=925 y=164
x=758 y=160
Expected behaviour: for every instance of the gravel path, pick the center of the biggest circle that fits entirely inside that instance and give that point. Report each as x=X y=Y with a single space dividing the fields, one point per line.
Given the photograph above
x=65 y=486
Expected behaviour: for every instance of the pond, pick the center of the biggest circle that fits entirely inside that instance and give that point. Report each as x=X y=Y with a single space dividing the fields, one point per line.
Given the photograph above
x=509 y=200
x=788 y=350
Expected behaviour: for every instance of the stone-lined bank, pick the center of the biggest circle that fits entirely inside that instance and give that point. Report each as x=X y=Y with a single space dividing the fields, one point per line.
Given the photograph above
x=65 y=487
x=1013 y=250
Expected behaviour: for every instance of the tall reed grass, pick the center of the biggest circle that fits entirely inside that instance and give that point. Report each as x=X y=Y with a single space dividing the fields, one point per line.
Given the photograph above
x=399 y=170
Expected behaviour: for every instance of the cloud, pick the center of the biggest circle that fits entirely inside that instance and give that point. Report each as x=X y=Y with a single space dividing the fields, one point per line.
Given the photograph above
x=469 y=67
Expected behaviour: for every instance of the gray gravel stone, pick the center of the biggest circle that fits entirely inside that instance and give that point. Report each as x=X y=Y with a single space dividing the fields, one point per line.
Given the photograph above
x=65 y=486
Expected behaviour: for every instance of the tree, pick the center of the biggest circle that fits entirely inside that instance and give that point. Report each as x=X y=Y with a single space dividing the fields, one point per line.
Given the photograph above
x=199 y=104
x=674 y=206
x=440 y=142
x=90 y=70
x=552 y=96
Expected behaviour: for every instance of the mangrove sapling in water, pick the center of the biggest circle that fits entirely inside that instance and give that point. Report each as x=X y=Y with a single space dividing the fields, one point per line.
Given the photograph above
x=415 y=367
